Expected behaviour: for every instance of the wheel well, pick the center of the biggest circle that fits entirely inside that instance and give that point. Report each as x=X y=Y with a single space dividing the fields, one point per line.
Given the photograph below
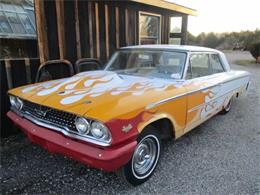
x=165 y=128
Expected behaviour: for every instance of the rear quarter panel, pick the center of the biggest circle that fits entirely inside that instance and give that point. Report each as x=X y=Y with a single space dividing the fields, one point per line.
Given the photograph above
x=209 y=95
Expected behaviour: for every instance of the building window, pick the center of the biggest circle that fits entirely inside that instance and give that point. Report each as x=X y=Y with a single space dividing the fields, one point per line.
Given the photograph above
x=175 y=30
x=4 y=24
x=26 y=23
x=17 y=19
x=176 y=24
x=149 y=28
x=175 y=41
x=15 y=23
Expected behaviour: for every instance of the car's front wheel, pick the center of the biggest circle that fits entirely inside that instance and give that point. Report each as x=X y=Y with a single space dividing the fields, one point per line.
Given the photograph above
x=144 y=160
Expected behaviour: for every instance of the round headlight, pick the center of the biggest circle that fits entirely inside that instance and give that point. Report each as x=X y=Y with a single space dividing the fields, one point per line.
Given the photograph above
x=82 y=125
x=16 y=102
x=100 y=131
x=12 y=101
x=19 y=104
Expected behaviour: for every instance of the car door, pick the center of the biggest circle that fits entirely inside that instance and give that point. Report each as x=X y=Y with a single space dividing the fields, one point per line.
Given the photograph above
x=203 y=84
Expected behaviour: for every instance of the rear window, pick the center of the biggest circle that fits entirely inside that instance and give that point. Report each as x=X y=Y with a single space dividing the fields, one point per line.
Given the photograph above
x=216 y=64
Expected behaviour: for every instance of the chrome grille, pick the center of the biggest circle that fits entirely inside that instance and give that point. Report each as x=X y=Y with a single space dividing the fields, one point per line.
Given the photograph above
x=58 y=118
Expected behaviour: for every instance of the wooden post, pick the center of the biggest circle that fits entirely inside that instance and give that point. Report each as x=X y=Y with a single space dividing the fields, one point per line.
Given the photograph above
x=184 y=29
x=60 y=27
x=8 y=73
x=90 y=29
x=117 y=28
x=107 y=31
x=162 y=30
x=28 y=70
x=135 y=27
x=126 y=27
x=97 y=30
x=167 y=29
x=41 y=30
x=78 y=44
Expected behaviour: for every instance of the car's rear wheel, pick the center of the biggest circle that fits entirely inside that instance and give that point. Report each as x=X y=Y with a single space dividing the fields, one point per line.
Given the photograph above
x=144 y=160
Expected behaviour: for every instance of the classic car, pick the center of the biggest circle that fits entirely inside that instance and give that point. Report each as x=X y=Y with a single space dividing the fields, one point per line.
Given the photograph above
x=115 y=119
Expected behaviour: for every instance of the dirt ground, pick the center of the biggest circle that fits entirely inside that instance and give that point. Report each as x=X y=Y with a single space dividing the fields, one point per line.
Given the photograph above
x=221 y=156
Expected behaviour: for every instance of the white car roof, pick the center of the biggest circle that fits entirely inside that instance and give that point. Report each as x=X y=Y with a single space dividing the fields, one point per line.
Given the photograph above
x=187 y=48
x=183 y=48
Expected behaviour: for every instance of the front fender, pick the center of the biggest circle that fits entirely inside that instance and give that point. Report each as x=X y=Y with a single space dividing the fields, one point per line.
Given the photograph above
x=156 y=117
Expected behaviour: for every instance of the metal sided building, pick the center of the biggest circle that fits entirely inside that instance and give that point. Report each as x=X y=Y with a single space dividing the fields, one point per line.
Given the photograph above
x=95 y=29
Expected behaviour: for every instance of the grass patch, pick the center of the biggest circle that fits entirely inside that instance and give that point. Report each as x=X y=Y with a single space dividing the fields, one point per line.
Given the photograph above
x=245 y=62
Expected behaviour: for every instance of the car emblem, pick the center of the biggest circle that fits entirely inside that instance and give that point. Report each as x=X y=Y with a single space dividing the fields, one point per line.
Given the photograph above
x=127 y=128
x=41 y=112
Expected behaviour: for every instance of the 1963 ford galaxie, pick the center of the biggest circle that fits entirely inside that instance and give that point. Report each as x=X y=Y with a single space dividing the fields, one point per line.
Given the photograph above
x=115 y=119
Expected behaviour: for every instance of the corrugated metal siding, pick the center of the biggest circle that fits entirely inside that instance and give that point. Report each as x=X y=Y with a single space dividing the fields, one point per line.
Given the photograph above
x=17 y=20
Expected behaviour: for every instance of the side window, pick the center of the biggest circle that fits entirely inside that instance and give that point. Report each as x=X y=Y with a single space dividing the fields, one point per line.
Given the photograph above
x=198 y=66
x=171 y=63
x=216 y=64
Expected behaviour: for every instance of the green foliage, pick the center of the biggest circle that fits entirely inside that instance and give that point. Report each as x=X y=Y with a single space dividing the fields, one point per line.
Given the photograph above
x=233 y=40
x=211 y=40
x=255 y=50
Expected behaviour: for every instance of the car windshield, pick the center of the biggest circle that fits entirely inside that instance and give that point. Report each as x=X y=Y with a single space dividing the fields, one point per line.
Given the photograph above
x=148 y=63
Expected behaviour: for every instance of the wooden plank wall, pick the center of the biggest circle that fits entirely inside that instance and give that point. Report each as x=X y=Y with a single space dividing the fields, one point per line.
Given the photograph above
x=14 y=73
x=40 y=20
x=92 y=29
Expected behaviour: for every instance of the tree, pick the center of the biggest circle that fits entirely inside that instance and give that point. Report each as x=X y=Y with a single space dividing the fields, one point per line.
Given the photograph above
x=211 y=40
x=255 y=50
x=243 y=39
x=191 y=39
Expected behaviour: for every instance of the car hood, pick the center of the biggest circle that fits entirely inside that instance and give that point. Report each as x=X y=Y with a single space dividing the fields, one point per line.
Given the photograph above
x=101 y=95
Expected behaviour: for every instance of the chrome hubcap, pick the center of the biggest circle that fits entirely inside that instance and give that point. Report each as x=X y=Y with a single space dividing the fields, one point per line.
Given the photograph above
x=145 y=156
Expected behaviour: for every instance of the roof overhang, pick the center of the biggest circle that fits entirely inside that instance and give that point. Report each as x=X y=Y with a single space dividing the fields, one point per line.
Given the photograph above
x=17 y=36
x=168 y=5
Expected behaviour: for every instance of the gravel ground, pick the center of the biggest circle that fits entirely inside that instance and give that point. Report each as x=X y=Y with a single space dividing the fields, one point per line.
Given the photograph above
x=222 y=156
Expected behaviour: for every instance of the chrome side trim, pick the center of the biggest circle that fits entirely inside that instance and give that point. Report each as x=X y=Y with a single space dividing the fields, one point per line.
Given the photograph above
x=215 y=98
x=152 y=105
